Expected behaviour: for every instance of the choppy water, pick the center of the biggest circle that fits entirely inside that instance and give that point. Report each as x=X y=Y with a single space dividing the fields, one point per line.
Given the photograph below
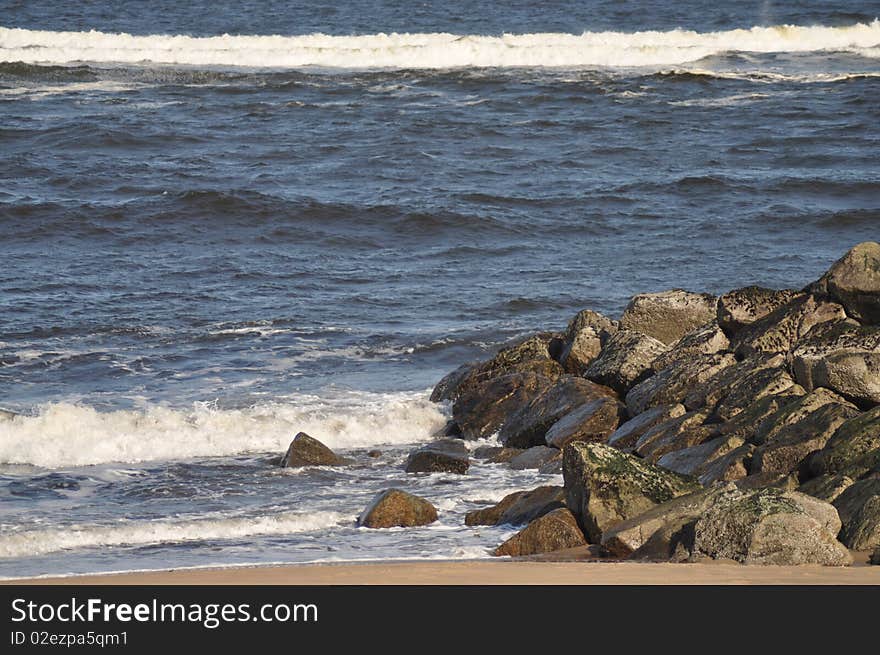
x=220 y=228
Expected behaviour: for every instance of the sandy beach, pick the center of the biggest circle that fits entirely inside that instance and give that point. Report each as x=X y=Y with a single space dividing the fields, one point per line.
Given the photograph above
x=488 y=573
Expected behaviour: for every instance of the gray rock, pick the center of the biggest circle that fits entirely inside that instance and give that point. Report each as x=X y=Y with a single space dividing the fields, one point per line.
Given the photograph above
x=719 y=386
x=753 y=386
x=504 y=455
x=843 y=356
x=673 y=384
x=307 y=451
x=444 y=456
x=669 y=315
x=708 y=339
x=742 y=307
x=626 y=436
x=696 y=459
x=396 y=508
x=730 y=467
x=854 y=281
x=554 y=531
x=859 y=509
x=534 y=458
x=779 y=330
x=746 y=423
x=604 y=486
x=592 y=421
x=527 y=426
x=625 y=360
x=769 y=526
x=487 y=452
x=586 y=334
x=853 y=450
x=519 y=507
x=675 y=434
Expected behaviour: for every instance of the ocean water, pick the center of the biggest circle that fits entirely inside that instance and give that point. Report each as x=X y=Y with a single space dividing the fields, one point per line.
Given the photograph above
x=220 y=228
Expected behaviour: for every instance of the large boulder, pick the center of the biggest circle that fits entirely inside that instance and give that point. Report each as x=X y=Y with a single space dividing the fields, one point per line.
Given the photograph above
x=519 y=507
x=742 y=307
x=673 y=384
x=843 y=356
x=770 y=526
x=779 y=330
x=675 y=434
x=586 y=334
x=707 y=339
x=854 y=281
x=534 y=458
x=554 y=531
x=527 y=426
x=592 y=421
x=625 y=360
x=853 y=450
x=532 y=354
x=443 y=456
x=396 y=508
x=746 y=423
x=604 y=486
x=798 y=430
x=859 y=509
x=827 y=487
x=307 y=451
x=669 y=315
x=742 y=393
x=695 y=460
x=626 y=436
x=730 y=378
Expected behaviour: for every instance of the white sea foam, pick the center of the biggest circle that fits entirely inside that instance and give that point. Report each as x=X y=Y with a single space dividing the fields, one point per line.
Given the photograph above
x=647 y=48
x=65 y=434
x=141 y=533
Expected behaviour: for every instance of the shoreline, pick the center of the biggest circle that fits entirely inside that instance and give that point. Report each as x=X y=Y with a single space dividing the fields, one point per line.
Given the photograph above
x=533 y=571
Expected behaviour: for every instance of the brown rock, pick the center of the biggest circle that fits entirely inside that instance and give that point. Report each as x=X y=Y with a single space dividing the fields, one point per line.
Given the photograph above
x=728 y=468
x=307 y=451
x=718 y=387
x=742 y=307
x=534 y=458
x=626 y=436
x=853 y=450
x=669 y=315
x=444 y=456
x=487 y=452
x=859 y=509
x=396 y=508
x=827 y=487
x=553 y=531
x=519 y=507
x=854 y=281
x=708 y=339
x=696 y=459
x=625 y=360
x=584 y=338
x=592 y=421
x=504 y=455
x=677 y=433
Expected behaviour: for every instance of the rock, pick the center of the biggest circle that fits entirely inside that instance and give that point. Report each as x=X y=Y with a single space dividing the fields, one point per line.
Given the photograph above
x=742 y=307
x=626 y=436
x=843 y=356
x=584 y=338
x=854 y=449
x=769 y=526
x=480 y=411
x=746 y=423
x=519 y=507
x=674 y=520
x=875 y=558
x=768 y=480
x=306 y=451
x=708 y=339
x=779 y=330
x=553 y=531
x=859 y=509
x=827 y=487
x=444 y=456
x=534 y=458
x=730 y=467
x=625 y=360
x=669 y=315
x=553 y=466
x=755 y=385
x=395 y=508
x=374 y=453
x=673 y=384
x=527 y=426
x=487 y=452
x=604 y=486
x=592 y=421
x=854 y=281
x=719 y=386
x=529 y=355
x=675 y=434
x=696 y=459
x=504 y=455
x=450 y=429
x=790 y=436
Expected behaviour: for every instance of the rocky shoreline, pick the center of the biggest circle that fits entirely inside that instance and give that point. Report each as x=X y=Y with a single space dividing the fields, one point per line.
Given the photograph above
x=744 y=427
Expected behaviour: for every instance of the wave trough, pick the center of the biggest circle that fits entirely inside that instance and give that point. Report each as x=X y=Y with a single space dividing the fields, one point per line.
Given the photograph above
x=431 y=51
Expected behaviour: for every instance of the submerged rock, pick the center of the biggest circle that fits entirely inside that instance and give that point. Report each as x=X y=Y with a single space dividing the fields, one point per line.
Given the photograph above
x=770 y=526
x=669 y=315
x=742 y=307
x=519 y=507
x=554 y=531
x=593 y=421
x=584 y=338
x=604 y=486
x=307 y=451
x=396 y=508
x=625 y=360
x=443 y=456
x=854 y=281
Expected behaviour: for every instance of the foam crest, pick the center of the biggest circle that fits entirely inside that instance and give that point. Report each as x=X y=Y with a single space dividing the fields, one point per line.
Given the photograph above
x=65 y=434
x=428 y=51
x=140 y=533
